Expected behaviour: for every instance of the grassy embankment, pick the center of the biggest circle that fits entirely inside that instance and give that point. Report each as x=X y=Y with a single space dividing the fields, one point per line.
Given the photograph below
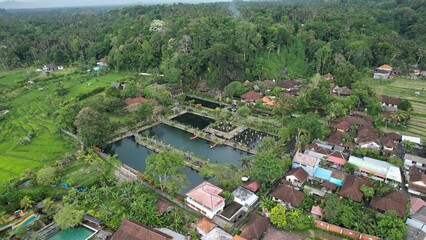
x=29 y=114
x=405 y=88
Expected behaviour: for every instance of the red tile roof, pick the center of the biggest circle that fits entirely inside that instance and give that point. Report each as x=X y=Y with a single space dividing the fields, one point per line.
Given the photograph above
x=394 y=200
x=299 y=173
x=385 y=67
x=288 y=194
x=329 y=76
x=253 y=186
x=335 y=138
x=130 y=230
x=343 y=126
x=351 y=188
x=255 y=227
x=251 y=96
x=355 y=120
x=289 y=84
x=207 y=195
x=336 y=160
x=136 y=100
x=390 y=100
x=305 y=159
x=163 y=206
x=416 y=204
x=268 y=101
x=205 y=224
x=316 y=210
x=329 y=185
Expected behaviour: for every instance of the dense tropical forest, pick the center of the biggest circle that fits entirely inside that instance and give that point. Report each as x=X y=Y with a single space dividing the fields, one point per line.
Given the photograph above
x=222 y=42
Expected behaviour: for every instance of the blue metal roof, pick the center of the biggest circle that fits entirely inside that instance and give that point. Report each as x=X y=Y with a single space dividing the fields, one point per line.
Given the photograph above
x=336 y=181
x=323 y=173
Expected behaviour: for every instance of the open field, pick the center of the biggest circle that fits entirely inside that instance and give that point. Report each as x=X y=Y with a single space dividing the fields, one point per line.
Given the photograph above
x=29 y=116
x=405 y=88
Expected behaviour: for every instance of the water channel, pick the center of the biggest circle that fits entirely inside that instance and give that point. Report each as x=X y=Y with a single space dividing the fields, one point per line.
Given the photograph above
x=181 y=139
x=193 y=120
x=204 y=103
x=134 y=155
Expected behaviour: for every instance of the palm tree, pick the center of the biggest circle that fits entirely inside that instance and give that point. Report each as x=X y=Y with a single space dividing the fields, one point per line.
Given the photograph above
x=26 y=203
x=47 y=205
x=302 y=138
x=398 y=116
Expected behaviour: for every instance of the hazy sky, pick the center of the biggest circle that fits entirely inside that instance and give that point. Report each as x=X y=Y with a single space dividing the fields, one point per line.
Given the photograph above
x=71 y=3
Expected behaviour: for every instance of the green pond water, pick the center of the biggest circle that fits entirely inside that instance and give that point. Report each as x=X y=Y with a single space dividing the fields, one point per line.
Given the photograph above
x=77 y=233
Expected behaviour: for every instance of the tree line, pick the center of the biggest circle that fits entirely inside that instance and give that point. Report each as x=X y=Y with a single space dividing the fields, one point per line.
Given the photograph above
x=191 y=42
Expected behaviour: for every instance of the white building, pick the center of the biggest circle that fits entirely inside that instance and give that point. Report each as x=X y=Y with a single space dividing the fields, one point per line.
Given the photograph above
x=245 y=197
x=308 y=163
x=413 y=160
x=205 y=199
x=415 y=140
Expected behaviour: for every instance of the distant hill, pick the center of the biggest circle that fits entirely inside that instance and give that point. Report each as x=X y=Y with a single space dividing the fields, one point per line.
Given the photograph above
x=17 y=4
x=57 y=4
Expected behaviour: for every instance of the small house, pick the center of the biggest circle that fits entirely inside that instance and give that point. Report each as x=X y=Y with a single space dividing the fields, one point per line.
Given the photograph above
x=389 y=104
x=205 y=199
x=204 y=226
x=329 y=76
x=245 y=197
x=163 y=206
x=251 y=97
x=394 y=200
x=255 y=227
x=290 y=85
x=50 y=67
x=297 y=176
x=117 y=85
x=413 y=160
x=417 y=181
x=101 y=63
x=287 y=196
x=317 y=212
x=351 y=188
x=383 y=72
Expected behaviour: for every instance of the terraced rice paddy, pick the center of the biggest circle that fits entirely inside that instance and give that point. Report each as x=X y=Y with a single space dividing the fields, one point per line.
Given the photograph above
x=405 y=88
x=29 y=114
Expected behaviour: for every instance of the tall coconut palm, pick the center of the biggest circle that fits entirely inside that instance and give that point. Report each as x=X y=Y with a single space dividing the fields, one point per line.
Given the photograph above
x=26 y=203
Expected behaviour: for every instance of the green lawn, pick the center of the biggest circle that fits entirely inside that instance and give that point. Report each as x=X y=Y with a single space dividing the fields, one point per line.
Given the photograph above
x=9 y=78
x=29 y=114
x=80 y=173
x=405 y=88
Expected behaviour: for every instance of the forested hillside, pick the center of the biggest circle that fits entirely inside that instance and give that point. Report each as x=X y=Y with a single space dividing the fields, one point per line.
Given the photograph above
x=222 y=42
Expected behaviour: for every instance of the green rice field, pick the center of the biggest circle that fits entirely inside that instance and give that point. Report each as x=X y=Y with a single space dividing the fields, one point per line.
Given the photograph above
x=29 y=114
x=405 y=88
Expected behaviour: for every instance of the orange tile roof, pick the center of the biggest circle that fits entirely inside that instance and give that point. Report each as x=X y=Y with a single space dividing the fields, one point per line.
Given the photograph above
x=253 y=186
x=268 y=101
x=317 y=210
x=237 y=237
x=205 y=224
x=131 y=101
x=385 y=67
x=207 y=195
